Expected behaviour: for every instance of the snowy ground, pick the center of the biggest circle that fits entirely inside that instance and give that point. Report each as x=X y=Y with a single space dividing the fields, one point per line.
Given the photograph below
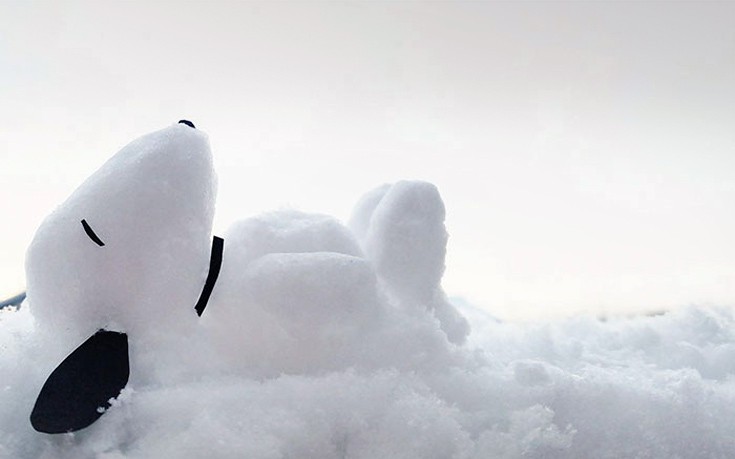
x=325 y=340
x=643 y=387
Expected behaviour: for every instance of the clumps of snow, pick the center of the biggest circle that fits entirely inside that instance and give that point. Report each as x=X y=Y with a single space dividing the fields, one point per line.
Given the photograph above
x=333 y=341
x=572 y=388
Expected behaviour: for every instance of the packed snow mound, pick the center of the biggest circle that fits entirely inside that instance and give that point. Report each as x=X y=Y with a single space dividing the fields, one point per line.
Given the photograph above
x=324 y=340
x=298 y=296
x=286 y=231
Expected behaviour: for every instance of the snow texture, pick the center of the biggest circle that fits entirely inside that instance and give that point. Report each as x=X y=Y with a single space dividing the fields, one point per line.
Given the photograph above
x=329 y=341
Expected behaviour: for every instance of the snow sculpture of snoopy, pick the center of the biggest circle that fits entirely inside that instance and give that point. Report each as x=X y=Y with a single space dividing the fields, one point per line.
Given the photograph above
x=123 y=264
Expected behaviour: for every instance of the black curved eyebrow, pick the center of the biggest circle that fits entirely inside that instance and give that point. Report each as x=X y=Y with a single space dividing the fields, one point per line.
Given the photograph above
x=90 y=233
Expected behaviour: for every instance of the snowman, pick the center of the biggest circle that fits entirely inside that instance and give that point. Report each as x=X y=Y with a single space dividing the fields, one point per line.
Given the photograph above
x=124 y=266
x=119 y=274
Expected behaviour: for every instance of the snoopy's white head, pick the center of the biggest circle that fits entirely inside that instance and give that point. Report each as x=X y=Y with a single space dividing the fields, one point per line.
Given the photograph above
x=127 y=254
x=151 y=205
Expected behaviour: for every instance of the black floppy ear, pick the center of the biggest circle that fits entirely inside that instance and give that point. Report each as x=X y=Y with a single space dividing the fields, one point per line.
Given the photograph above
x=78 y=391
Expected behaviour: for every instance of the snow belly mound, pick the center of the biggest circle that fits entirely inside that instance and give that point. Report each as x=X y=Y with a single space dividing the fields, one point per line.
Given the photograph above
x=300 y=313
x=329 y=341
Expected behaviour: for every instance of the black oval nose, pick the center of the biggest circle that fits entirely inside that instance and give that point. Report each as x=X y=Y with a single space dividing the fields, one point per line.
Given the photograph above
x=188 y=123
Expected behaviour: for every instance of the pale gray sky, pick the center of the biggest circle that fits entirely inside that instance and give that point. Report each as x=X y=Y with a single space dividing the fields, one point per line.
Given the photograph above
x=585 y=150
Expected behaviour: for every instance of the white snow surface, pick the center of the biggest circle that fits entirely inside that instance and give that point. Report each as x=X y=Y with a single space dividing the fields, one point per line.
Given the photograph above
x=325 y=340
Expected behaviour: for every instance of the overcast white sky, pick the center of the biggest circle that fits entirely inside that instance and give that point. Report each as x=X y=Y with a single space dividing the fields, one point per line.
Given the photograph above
x=585 y=151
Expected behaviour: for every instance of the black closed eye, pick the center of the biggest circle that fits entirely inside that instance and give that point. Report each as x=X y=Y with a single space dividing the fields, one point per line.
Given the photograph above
x=90 y=233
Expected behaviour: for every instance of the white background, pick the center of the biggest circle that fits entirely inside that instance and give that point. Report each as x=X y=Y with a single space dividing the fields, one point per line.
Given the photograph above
x=585 y=151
